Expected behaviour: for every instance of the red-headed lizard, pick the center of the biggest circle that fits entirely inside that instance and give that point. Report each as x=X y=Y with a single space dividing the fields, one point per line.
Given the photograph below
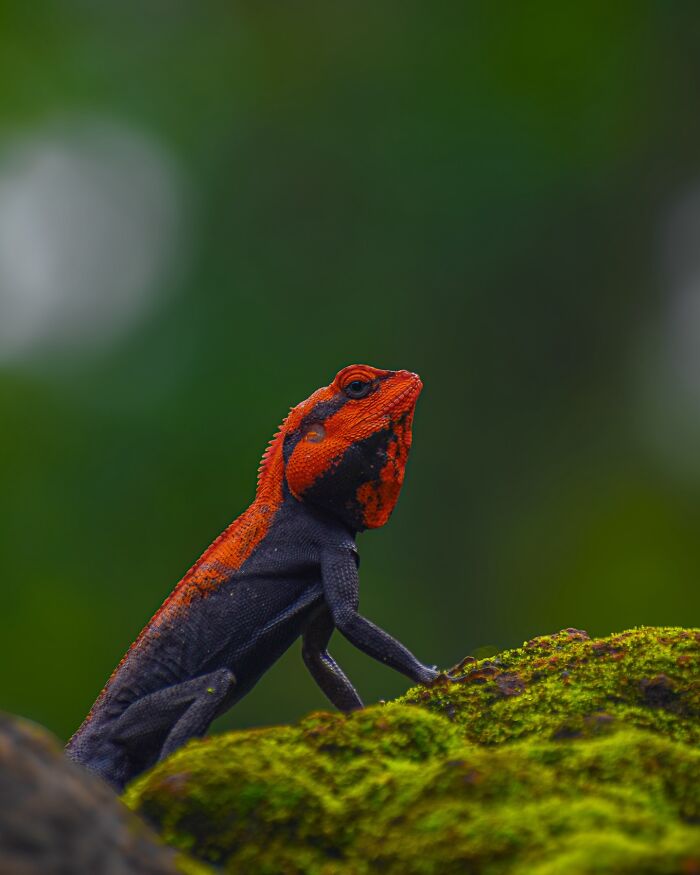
x=287 y=567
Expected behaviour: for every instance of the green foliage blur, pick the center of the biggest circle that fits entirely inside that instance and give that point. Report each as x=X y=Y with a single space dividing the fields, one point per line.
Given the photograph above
x=497 y=196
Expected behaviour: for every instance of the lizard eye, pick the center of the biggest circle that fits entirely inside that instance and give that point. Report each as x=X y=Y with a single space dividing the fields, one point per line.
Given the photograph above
x=357 y=388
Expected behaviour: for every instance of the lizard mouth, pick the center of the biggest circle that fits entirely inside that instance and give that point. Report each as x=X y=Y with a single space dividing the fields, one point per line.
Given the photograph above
x=407 y=398
x=400 y=404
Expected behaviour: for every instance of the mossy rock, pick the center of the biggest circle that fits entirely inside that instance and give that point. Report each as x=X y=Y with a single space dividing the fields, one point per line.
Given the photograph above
x=561 y=757
x=57 y=817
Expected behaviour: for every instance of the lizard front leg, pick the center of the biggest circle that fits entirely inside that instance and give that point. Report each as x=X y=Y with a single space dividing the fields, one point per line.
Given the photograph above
x=341 y=589
x=324 y=669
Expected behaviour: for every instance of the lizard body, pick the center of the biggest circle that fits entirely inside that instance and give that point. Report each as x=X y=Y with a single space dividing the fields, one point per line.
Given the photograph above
x=287 y=567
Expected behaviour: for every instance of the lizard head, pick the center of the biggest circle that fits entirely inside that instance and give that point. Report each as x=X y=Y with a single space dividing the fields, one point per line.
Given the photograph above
x=345 y=448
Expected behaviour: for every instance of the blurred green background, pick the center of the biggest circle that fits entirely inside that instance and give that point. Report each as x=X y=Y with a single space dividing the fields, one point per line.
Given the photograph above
x=207 y=209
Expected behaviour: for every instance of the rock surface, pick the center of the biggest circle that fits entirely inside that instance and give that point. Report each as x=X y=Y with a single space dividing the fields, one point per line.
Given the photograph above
x=57 y=818
x=566 y=756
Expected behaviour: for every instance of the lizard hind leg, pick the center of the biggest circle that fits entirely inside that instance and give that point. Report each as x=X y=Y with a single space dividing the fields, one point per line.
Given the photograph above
x=151 y=727
x=213 y=691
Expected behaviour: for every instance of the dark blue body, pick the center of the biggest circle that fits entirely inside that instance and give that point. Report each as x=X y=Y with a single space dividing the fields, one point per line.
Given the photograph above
x=196 y=660
x=244 y=625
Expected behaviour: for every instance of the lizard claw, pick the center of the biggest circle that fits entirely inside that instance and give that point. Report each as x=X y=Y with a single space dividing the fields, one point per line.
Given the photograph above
x=433 y=675
x=445 y=677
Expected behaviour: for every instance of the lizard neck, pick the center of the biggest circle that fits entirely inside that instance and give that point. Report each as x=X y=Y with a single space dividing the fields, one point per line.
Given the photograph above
x=269 y=492
x=273 y=490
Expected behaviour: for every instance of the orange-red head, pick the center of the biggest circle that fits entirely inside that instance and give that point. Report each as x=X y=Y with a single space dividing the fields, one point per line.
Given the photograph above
x=345 y=448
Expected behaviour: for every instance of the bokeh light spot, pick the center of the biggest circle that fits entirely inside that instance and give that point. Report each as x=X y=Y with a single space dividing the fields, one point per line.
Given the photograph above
x=91 y=219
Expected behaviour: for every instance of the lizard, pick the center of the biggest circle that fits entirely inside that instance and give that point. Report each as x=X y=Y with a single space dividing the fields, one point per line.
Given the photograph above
x=286 y=568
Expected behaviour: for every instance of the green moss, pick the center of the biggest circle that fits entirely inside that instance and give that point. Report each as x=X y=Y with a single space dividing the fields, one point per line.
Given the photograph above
x=566 y=685
x=563 y=756
x=186 y=865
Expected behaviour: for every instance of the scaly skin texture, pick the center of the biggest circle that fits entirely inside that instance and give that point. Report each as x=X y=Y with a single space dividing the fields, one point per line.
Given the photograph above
x=287 y=567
